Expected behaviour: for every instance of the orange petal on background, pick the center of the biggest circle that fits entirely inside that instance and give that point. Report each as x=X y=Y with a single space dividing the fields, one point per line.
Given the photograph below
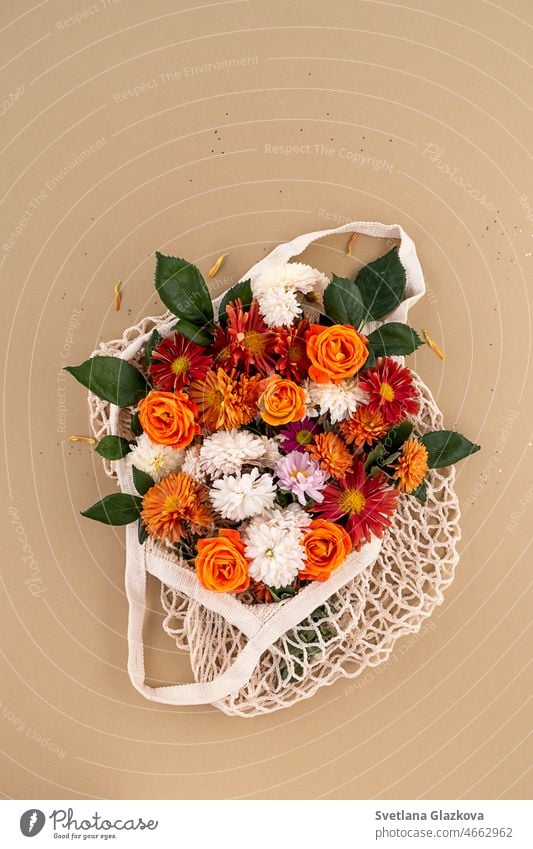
x=351 y=243
x=433 y=345
x=216 y=267
x=118 y=296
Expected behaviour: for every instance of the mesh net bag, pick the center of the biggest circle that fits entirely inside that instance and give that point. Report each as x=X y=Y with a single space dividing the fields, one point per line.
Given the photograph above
x=249 y=659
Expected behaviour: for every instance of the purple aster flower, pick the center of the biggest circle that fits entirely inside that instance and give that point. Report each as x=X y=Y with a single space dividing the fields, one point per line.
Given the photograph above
x=298 y=434
x=300 y=475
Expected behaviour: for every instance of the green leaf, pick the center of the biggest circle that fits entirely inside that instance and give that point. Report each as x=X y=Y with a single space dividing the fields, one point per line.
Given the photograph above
x=153 y=342
x=113 y=447
x=196 y=334
x=116 y=509
x=135 y=425
x=142 y=481
x=394 y=339
x=382 y=285
x=183 y=290
x=281 y=593
x=397 y=435
x=343 y=302
x=370 y=360
x=242 y=291
x=421 y=493
x=445 y=447
x=142 y=533
x=112 y=379
x=374 y=456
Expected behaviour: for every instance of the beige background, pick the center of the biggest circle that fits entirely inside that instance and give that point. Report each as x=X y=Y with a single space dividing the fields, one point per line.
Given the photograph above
x=424 y=109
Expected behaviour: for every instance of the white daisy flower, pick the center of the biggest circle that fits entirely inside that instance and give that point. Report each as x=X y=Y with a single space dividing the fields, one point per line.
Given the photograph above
x=340 y=400
x=275 y=553
x=279 y=306
x=226 y=452
x=293 y=276
x=155 y=460
x=191 y=464
x=238 y=498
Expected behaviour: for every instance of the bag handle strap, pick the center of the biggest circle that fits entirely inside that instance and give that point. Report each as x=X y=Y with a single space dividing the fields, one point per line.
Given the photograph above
x=415 y=285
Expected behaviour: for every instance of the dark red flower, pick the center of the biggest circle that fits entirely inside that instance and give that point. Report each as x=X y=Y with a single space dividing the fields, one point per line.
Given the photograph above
x=250 y=343
x=391 y=390
x=176 y=361
x=292 y=360
x=364 y=505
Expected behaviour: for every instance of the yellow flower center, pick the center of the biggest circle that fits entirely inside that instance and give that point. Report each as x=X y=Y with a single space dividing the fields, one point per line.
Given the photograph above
x=171 y=503
x=255 y=342
x=294 y=474
x=304 y=437
x=180 y=365
x=158 y=462
x=352 y=501
x=386 y=391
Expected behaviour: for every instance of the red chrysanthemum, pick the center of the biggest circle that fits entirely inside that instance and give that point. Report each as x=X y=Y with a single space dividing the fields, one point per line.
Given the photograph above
x=391 y=390
x=176 y=361
x=250 y=343
x=290 y=349
x=364 y=505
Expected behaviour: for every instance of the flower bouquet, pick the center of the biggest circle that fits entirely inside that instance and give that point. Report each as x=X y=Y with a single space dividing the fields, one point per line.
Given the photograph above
x=263 y=444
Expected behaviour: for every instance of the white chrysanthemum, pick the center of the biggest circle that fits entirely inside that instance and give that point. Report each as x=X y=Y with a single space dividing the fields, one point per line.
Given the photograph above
x=292 y=518
x=238 y=498
x=340 y=400
x=279 y=306
x=275 y=553
x=271 y=452
x=191 y=464
x=155 y=460
x=293 y=276
x=227 y=451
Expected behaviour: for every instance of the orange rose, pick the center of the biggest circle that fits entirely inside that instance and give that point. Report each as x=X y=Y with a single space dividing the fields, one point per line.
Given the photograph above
x=282 y=401
x=220 y=563
x=336 y=352
x=326 y=545
x=169 y=418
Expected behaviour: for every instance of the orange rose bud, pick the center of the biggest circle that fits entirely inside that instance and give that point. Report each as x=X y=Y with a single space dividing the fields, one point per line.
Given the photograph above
x=220 y=563
x=282 y=401
x=336 y=352
x=169 y=418
x=326 y=545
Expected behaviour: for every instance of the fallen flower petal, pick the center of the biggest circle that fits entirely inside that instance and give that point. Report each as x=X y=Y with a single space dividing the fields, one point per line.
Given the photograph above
x=216 y=267
x=433 y=345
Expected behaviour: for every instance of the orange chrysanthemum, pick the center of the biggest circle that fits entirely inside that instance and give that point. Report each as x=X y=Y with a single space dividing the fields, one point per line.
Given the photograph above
x=219 y=401
x=176 y=501
x=329 y=450
x=412 y=465
x=249 y=390
x=364 y=426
